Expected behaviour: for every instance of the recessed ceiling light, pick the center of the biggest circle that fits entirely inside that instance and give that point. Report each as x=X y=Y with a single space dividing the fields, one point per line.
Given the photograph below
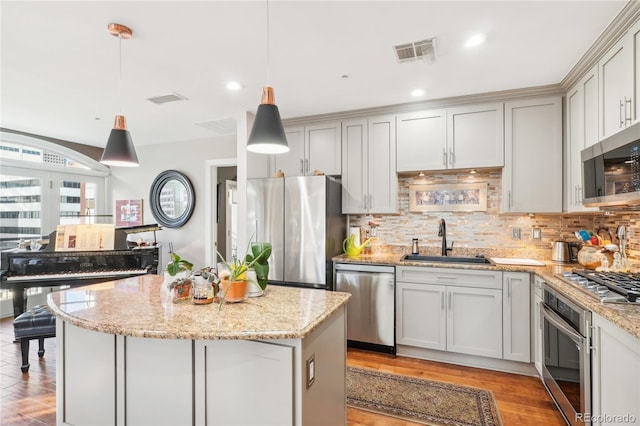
x=234 y=85
x=345 y=76
x=475 y=40
x=418 y=92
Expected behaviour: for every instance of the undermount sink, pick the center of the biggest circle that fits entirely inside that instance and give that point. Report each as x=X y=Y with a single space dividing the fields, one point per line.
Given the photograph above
x=444 y=259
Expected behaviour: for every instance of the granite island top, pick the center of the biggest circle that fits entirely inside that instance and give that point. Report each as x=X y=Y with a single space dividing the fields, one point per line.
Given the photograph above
x=141 y=307
x=625 y=316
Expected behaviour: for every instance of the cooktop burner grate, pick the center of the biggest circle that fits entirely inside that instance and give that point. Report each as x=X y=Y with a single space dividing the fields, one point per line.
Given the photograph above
x=627 y=284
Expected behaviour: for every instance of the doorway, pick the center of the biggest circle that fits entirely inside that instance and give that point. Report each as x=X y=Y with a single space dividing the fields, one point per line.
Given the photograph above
x=217 y=173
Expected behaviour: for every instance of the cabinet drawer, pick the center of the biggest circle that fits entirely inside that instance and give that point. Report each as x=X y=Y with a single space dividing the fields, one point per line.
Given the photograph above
x=450 y=276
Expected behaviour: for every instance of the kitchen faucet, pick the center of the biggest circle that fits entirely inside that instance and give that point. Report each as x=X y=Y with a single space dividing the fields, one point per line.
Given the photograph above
x=442 y=232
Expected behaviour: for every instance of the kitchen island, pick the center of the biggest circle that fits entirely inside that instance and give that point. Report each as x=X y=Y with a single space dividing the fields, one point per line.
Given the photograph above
x=127 y=355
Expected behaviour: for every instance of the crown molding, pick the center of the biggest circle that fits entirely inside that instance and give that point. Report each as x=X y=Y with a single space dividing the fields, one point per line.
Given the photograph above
x=610 y=36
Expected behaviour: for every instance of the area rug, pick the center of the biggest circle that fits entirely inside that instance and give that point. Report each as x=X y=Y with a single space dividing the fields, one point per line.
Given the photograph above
x=421 y=401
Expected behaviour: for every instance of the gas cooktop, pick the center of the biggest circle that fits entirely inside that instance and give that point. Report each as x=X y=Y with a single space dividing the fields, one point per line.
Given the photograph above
x=608 y=287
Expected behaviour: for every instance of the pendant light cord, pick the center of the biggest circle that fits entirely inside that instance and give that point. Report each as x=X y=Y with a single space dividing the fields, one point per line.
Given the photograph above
x=268 y=44
x=120 y=73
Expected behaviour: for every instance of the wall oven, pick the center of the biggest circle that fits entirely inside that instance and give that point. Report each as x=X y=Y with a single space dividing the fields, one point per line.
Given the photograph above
x=566 y=344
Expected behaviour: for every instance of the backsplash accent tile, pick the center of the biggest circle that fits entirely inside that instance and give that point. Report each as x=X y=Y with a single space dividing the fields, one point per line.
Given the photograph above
x=471 y=231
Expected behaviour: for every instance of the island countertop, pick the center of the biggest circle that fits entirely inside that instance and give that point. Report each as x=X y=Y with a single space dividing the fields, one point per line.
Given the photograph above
x=141 y=307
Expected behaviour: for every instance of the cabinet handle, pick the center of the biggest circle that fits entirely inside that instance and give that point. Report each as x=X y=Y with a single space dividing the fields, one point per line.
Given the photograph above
x=509 y=199
x=509 y=288
x=370 y=201
x=444 y=156
x=627 y=101
x=620 y=113
x=301 y=166
x=442 y=301
x=452 y=157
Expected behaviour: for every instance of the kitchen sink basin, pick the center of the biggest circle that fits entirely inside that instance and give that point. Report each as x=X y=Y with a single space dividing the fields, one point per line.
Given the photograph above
x=444 y=259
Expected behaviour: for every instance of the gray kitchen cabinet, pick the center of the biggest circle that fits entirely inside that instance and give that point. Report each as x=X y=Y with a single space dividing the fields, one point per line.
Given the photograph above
x=369 y=179
x=311 y=147
x=615 y=374
x=616 y=88
x=532 y=175
x=465 y=137
x=581 y=118
x=536 y=323
x=456 y=310
x=422 y=140
x=516 y=316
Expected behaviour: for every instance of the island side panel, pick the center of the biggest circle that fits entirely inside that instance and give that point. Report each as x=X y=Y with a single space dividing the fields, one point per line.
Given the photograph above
x=86 y=390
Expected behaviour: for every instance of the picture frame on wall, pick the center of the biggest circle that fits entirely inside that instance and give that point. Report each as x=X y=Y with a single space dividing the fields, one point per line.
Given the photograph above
x=128 y=213
x=462 y=197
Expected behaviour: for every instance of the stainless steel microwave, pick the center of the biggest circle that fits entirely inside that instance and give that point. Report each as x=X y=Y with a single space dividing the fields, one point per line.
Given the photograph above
x=611 y=170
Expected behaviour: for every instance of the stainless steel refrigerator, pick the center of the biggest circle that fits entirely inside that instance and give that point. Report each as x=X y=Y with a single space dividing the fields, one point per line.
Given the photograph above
x=302 y=218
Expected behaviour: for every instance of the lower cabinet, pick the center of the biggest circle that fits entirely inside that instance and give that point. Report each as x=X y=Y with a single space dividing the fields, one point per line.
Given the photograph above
x=516 y=317
x=536 y=323
x=615 y=374
x=449 y=309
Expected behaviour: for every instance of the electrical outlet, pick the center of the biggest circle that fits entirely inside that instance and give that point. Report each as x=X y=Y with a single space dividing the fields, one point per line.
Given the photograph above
x=515 y=233
x=536 y=234
x=311 y=370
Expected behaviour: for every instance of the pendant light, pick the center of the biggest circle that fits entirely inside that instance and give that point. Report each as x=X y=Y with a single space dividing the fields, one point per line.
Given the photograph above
x=267 y=134
x=120 y=151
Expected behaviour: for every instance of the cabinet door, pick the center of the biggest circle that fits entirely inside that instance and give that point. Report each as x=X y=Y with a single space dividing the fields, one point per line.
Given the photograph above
x=516 y=316
x=422 y=139
x=633 y=40
x=475 y=136
x=354 y=162
x=381 y=170
x=420 y=315
x=292 y=162
x=614 y=70
x=616 y=373
x=323 y=148
x=532 y=176
x=474 y=321
x=536 y=325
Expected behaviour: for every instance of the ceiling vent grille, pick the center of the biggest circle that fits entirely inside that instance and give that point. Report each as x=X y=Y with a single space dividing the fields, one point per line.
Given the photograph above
x=223 y=126
x=165 y=99
x=409 y=52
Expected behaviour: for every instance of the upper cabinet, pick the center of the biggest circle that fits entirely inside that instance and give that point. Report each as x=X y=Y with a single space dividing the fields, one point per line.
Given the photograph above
x=616 y=89
x=369 y=179
x=532 y=176
x=454 y=138
x=314 y=147
x=581 y=123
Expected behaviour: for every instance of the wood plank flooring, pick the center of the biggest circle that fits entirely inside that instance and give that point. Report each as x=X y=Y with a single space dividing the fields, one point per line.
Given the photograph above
x=30 y=399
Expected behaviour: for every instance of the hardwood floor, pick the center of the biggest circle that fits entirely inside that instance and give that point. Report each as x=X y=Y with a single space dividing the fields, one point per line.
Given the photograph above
x=30 y=399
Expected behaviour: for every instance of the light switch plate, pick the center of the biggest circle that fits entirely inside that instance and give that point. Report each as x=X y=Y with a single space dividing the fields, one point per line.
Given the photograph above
x=515 y=233
x=536 y=234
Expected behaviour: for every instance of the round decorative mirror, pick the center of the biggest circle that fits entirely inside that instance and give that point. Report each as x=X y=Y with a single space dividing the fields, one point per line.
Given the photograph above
x=172 y=199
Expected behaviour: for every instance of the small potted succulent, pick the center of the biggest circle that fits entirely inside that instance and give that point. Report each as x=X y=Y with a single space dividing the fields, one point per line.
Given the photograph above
x=178 y=278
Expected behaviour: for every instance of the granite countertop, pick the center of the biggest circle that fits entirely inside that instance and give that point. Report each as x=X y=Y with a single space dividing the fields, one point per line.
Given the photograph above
x=624 y=316
x=141 y=307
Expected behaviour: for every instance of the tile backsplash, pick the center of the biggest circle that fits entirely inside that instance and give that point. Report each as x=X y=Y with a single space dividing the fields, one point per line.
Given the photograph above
x=488 y=229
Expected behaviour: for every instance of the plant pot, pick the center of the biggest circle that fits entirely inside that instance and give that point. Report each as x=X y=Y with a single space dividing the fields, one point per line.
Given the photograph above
x=234 y=291
x=181 y=292
x=253 y=289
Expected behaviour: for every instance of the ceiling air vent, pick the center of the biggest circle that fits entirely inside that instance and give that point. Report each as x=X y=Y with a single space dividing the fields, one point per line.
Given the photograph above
x=165 y=99
x=223 y=126
x=424 y=50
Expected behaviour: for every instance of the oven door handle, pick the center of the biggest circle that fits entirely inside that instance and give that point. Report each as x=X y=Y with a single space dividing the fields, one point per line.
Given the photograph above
x=561 y=324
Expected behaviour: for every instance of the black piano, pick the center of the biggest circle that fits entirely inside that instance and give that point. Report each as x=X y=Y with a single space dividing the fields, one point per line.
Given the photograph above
x=23 y=269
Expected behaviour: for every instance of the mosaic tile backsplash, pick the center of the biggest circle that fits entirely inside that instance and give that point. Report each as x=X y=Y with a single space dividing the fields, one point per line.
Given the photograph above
x=484 y=231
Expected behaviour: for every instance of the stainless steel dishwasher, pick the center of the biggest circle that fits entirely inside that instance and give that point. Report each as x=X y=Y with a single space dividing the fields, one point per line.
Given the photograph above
x=371 y=309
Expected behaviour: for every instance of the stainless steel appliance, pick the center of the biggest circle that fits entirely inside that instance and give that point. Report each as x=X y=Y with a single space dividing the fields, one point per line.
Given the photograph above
x=566 y=346
x=611 y=170
x=607 y=287
x=371 y=309
x=302 y=218
x=564 y=252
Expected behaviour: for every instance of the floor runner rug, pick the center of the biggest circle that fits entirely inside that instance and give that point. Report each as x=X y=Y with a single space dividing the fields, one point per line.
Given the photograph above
x=419 y=400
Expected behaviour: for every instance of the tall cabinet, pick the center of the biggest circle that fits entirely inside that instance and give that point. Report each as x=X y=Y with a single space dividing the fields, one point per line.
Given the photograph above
x=369 y=179
x=582 y=126
x=532 y=176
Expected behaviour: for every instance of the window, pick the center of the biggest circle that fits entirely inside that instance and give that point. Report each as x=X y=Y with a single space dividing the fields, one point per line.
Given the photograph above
x=43 y=185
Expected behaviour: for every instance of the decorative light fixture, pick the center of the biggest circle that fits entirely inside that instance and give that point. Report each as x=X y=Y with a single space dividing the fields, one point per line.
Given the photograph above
x=267 y=133
x=120 y=150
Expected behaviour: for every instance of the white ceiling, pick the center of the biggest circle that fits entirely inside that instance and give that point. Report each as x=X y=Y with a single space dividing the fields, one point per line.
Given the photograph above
x=59 y=65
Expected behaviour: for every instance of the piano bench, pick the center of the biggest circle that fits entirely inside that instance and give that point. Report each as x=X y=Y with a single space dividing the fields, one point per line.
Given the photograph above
x=36 y=323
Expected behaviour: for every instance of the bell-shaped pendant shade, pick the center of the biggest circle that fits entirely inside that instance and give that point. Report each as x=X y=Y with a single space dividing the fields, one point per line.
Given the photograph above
x=267 y=134
x=120 y=151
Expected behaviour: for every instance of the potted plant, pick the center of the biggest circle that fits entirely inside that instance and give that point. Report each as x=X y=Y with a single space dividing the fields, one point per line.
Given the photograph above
x=233 y=281
x=205 y=285
x=260 y=252
x=179 y=278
